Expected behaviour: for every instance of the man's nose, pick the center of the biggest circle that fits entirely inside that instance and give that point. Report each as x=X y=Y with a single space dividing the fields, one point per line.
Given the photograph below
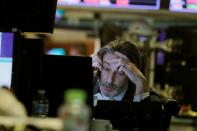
x=111 y=77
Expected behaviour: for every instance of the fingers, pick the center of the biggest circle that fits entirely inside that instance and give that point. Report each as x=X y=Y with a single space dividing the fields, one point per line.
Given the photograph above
x=132 y=72
x=126 y=66
x=124 y=63
x=135 y=76
x=121 y=55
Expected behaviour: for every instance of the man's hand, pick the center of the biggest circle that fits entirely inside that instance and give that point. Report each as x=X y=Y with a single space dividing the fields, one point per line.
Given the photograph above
x=96 y=62
x=133 y=73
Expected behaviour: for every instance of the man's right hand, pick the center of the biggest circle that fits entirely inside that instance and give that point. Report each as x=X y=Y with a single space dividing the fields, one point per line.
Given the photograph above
x=96 y=62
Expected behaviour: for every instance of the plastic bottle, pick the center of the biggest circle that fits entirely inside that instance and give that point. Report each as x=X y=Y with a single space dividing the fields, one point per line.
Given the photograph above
x=74 y=112
x=40 y=105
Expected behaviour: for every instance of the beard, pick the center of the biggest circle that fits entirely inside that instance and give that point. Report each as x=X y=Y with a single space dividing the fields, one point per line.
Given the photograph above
x=112 y=89
x=107 y=85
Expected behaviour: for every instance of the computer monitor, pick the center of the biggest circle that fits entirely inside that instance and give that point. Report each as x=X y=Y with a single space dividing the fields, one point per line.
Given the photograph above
x=131 y=116
x=27 y=15
x=27 y=69
x=65 y=72
x=112 y=4
x=186 y=6
x=6 y=58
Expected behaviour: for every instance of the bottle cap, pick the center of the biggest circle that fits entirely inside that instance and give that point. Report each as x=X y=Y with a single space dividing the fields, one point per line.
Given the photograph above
x=41 y=91
x=75 y=94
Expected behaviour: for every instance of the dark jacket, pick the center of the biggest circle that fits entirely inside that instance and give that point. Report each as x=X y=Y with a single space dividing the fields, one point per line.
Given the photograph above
x=125 y=121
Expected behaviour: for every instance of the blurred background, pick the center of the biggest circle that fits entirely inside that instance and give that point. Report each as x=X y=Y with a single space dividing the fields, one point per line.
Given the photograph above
x=164 y=30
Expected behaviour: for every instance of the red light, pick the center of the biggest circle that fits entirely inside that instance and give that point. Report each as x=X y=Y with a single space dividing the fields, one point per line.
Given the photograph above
x=192 y=1
x=91 y=1
x=122 y=2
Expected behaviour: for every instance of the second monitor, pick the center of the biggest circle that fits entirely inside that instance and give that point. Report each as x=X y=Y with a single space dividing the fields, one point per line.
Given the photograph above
x=65 y=72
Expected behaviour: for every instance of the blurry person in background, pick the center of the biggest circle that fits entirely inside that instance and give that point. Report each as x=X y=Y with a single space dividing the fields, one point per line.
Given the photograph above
x=10 y=105
x=78 y=50
x=107 y=32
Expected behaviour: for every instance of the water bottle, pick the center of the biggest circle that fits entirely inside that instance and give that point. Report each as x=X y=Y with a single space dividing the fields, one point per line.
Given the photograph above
x=74 y=112
x=40 y=105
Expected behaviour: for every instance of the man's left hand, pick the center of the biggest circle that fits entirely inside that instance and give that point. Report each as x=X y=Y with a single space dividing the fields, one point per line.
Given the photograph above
x=133 y=73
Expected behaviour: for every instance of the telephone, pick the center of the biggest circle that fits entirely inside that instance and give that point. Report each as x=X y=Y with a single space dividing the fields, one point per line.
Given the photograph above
x=96 y=77
x=98 y=73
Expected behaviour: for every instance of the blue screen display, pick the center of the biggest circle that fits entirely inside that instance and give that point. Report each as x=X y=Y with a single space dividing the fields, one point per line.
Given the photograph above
x=6 y=58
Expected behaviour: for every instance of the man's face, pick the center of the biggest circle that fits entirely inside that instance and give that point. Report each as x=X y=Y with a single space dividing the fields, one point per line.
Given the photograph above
x=112 y=81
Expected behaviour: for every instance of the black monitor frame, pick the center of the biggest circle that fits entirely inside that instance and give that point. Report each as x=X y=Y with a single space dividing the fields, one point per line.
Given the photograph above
x=27 y=80
x=27 y=16
x=128 y=116
x=65 y=72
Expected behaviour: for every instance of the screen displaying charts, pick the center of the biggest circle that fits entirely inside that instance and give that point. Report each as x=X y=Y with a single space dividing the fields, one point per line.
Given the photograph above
x=125 y=4
x=6 y=58
x=189 y=6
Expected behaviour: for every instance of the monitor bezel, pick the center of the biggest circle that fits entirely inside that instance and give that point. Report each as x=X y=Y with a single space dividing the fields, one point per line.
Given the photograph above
x=31 y=16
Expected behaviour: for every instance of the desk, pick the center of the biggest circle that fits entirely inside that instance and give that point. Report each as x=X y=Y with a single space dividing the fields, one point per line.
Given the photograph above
x=42 y=123
x=183 y=124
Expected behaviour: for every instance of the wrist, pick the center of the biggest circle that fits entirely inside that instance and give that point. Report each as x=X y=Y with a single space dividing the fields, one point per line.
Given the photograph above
x=141 y=86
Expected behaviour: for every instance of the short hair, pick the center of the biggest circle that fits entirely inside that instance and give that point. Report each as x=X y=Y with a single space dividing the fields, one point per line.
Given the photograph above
x=125 y=47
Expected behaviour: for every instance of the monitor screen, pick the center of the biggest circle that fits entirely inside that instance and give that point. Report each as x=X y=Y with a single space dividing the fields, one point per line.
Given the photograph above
x=125 y=4
x=64 y=72
x=6 y=58
x=189 y=6
x=27 y=16
x=126 y=115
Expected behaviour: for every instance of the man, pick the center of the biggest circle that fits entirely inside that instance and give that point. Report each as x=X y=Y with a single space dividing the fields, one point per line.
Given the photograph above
x=118 y=70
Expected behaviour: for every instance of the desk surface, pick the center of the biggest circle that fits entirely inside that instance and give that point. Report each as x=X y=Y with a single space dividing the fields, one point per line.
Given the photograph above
x=42 y=123
x=183 y=124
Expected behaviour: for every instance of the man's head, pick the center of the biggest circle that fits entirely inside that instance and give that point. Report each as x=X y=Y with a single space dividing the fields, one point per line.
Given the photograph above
x=112 y=81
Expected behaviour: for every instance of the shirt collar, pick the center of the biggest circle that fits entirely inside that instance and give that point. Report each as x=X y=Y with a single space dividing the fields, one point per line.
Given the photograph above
x=119 y=97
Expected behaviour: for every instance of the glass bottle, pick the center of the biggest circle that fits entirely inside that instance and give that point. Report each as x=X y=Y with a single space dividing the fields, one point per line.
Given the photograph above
x=40 y=105
x=74 y=112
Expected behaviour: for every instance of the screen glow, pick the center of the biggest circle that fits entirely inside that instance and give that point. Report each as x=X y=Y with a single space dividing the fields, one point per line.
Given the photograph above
x=189 y=6
x=6 y=58
x=123 y=4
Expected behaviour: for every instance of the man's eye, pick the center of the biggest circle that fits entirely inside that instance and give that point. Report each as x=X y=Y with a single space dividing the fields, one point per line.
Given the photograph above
x=121 y=73
x=106 y=69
